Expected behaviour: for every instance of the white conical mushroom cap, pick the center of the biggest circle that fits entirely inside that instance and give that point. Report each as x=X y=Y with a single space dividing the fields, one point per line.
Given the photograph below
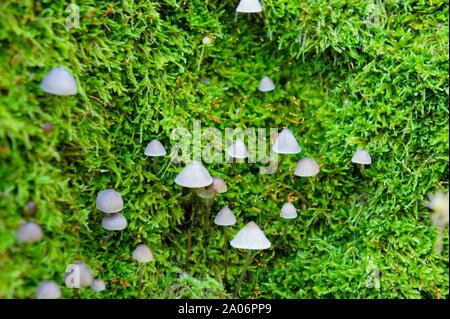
x=85 y=276
x=47 y=290
x=250 y=237
x=362 y=156
x=142 y=254
x=206 y=40
x=114 y=221
x=266 y=84
x=194 y=175
x=286 y=143
x=225 y=217
x=59 y=81
x=29 y=233
x=98 y=285
x=249 y=6
x=288 y=211
x=155 y=148
x=109 y=201
x=306 y=167
x=238 y=149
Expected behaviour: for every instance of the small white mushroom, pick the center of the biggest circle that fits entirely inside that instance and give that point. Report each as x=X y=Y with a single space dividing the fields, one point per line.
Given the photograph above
x=362 y=156
x=142 y=254
x=306 y=167
x=114 y=221
x=155 y=148
x=109 y=201
x=238 y=149
x=250 y=237
x=29 y=233
x=225 y=217
x=286 y=143
x=288 y=211
x=98 y=285
x=219 y=185
x=249 y=6
x=194 y=175
x=48 y=290
x=266 y=84
x=59 y=81
x=206 y=40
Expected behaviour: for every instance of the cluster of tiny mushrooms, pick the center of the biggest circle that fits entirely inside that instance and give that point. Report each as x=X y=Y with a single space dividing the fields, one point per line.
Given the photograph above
x=59 y=81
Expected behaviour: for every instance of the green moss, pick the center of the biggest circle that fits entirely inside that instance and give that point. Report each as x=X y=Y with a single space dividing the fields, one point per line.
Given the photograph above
x=347 y=77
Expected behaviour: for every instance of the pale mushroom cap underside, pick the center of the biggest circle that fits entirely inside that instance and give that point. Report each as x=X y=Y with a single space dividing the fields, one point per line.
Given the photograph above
x=249 y=6
x=98 y=285
x=114 y=221
x=286 y=143
x=194 y=175
x=155 y=148
x=306 y=167
x=250 y=237
x=59 y=81
x=48 y=290
x=266 y=84
x=205 y=192
x=362 y=156
x=85 y=276
x=238 y=149
x=225 y=217
x=142 y=254
x=288 y=211
x=109 y=201
x=29 y=233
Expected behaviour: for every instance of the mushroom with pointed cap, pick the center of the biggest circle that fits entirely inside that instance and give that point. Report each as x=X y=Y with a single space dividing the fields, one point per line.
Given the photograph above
x=288 y=211
x=249 y=6
x=225 y=218
x=209 y=192
x=237 y=150
x=266 y=84
x=306 y=167
x=48 y=290
x=109 y=201
x=250 y=237
x=362 y=157
x=155 y=149
x=98 y=285
x=59 y=81
x=142 y=254
x=77 y=276
x=194 y=175
x=29 y=232
x=285 y=143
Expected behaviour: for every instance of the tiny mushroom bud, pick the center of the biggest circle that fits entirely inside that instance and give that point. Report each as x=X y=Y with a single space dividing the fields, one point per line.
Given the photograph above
x=238 y=149
x=249 y=6
x=194 y=175
x=98 y=285
x=109 y=201
x=250 y=237
x=47 y=127
x=266 y=84
x=225 y=217
x=306 y=167
x=114 y=221
x=155 y=148
x=47 y=290
x=362 y=156
x=31 y=207
x=59 y=81
x=288 y=211
x=29 y=233
x=206 y=40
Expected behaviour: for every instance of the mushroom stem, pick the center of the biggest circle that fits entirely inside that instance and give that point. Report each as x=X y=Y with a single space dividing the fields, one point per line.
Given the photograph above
x=362 y=171
x=234 y=165
x=76 y=294
x=141 y=270
x=279 y=164
x=188 y=251
x=247 y=261
x=285 y=237
x=155 y=164
x=108 y=236
x=226 y=256
x=438 y=247
x=207 y=210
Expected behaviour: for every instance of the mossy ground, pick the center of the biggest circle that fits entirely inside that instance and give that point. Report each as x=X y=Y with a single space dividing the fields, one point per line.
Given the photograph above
x=349 y=74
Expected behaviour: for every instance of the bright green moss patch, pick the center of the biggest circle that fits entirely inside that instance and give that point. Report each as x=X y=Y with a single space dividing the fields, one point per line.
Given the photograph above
x=348 y=74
